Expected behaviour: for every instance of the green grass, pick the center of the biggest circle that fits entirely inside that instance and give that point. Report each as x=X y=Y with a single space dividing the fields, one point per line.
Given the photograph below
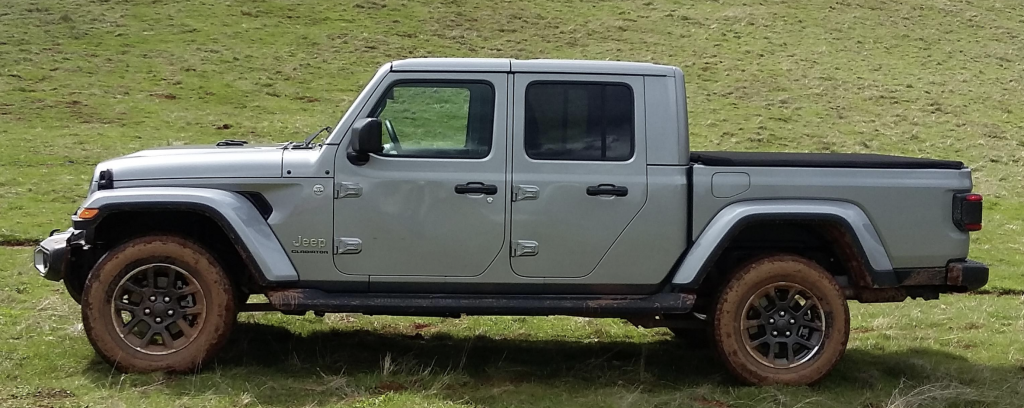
x=84 y=81
x=962 y=351
x=81 y=82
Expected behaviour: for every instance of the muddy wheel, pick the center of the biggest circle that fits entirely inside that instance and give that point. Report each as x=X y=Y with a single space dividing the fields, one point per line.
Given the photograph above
x=781 y=320
x=157 y=303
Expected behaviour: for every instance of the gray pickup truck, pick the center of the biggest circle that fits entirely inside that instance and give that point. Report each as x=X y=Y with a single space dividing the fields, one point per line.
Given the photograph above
x=457 y=187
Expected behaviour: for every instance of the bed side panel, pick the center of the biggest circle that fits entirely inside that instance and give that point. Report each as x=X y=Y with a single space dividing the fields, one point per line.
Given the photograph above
x=910 y=209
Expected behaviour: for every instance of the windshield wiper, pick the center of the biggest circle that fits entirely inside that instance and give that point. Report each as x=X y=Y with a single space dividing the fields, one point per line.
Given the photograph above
x=313 y=136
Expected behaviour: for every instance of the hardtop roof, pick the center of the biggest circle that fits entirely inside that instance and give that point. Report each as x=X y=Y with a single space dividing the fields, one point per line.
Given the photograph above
x=534 y=65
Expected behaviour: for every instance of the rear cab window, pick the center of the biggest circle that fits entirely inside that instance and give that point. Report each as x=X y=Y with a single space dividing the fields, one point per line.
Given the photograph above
x=582 y=121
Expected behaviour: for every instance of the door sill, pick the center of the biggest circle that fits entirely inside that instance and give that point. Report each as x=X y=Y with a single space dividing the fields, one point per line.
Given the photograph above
x=403 y=304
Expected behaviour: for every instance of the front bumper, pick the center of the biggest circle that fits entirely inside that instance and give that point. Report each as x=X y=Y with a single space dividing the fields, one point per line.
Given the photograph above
x=52 y=257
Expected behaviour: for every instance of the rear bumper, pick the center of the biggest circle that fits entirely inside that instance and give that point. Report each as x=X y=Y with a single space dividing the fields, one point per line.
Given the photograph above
x=958 y=276
x=52 y=257
x=968 y=274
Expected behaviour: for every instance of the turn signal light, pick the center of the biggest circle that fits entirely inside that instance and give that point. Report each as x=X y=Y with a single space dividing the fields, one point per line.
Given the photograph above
x=88 y=213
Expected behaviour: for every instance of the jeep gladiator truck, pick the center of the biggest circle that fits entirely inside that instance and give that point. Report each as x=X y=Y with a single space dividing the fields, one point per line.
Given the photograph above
x=459 y=187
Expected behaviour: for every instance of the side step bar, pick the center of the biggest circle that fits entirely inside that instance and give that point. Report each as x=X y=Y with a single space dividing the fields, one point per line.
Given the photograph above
x=304 y=300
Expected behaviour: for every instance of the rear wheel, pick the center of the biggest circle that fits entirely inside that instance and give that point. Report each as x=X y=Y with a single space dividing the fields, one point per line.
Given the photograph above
x=781 y=320
x=158 y=303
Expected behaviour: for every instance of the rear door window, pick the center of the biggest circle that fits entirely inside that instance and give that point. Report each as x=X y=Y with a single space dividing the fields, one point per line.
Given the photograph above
x=579 y=121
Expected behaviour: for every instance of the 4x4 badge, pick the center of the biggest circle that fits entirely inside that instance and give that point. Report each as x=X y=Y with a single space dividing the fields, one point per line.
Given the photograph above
x=318 y=189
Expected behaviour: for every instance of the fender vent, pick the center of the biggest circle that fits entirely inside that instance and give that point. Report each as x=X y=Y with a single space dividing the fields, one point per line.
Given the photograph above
x=260 y=202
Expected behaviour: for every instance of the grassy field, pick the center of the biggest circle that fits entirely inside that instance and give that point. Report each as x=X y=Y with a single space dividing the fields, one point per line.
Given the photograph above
x=962 y=351
x=83 y=81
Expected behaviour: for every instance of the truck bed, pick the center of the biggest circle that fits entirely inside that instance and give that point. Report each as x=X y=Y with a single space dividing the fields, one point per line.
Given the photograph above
x=821 y=160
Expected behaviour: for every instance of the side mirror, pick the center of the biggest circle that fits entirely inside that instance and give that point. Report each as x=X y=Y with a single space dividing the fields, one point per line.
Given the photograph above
x=366 y=139
x=366 y=136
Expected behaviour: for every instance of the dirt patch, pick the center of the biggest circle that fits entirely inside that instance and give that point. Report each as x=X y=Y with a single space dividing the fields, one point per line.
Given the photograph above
x=164 y=96
x=18 y=242
x=42 y=397
x=421 y=326
x=997 y=291
x=225 y=126
x=307 y=99
x=972 y=326
x=53 y=394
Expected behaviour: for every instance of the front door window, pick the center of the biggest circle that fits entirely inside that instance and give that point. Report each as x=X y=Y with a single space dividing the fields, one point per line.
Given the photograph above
x=432 y=120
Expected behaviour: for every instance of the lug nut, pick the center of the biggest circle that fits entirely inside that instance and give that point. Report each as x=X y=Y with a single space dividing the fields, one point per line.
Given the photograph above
x=159 y=320
x=788 y=334
x=146 y=311
x=167 y=299
x=771 y=321
x=152 y=298
x=775 y=333
x=170 y=313
x=782 y=314
x=792 y=321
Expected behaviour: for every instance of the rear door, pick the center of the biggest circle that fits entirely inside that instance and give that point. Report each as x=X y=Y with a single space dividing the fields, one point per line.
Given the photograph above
x=579 y=172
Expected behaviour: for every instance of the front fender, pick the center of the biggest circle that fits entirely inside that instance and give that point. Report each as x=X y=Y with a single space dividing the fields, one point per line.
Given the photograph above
x=731 y=220
x=234 y=213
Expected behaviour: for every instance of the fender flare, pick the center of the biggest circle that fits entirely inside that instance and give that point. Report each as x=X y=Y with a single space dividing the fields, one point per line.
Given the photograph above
x=702 y=255
x=239 y=218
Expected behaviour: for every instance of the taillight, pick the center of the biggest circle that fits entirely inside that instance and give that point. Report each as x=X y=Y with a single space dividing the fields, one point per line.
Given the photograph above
x=967 y=211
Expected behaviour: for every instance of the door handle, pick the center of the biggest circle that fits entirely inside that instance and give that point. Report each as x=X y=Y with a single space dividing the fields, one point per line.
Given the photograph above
x=476 y=187
x=607 y=190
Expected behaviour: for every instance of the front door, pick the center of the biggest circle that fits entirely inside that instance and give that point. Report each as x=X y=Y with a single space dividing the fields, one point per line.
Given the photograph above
x=433 y=203
x=579 y=172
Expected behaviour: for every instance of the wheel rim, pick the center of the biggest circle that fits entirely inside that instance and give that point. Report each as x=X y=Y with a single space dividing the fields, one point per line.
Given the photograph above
x=158 y=309
x=783 y=325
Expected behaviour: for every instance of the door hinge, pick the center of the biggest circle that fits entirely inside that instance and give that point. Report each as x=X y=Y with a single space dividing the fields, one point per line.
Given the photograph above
x=347 y=246
x=523 y=193
x=347 y=189
x=524 y=248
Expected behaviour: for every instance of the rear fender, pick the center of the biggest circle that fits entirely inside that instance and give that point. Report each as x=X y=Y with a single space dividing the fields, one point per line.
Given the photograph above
x=705 y=251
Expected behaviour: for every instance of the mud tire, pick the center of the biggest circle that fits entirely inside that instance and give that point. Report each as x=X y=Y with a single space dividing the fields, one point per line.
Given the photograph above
x=217 y=291
x=729 y=313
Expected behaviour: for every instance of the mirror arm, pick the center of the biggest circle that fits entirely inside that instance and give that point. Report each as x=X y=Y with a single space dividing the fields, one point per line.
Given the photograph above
x=358 y=159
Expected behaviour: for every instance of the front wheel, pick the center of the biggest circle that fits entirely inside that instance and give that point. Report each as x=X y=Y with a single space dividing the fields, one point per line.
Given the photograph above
x=157 y=303
x=781 y=320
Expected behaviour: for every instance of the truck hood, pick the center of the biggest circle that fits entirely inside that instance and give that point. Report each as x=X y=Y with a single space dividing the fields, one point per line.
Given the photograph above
x=195 y=162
